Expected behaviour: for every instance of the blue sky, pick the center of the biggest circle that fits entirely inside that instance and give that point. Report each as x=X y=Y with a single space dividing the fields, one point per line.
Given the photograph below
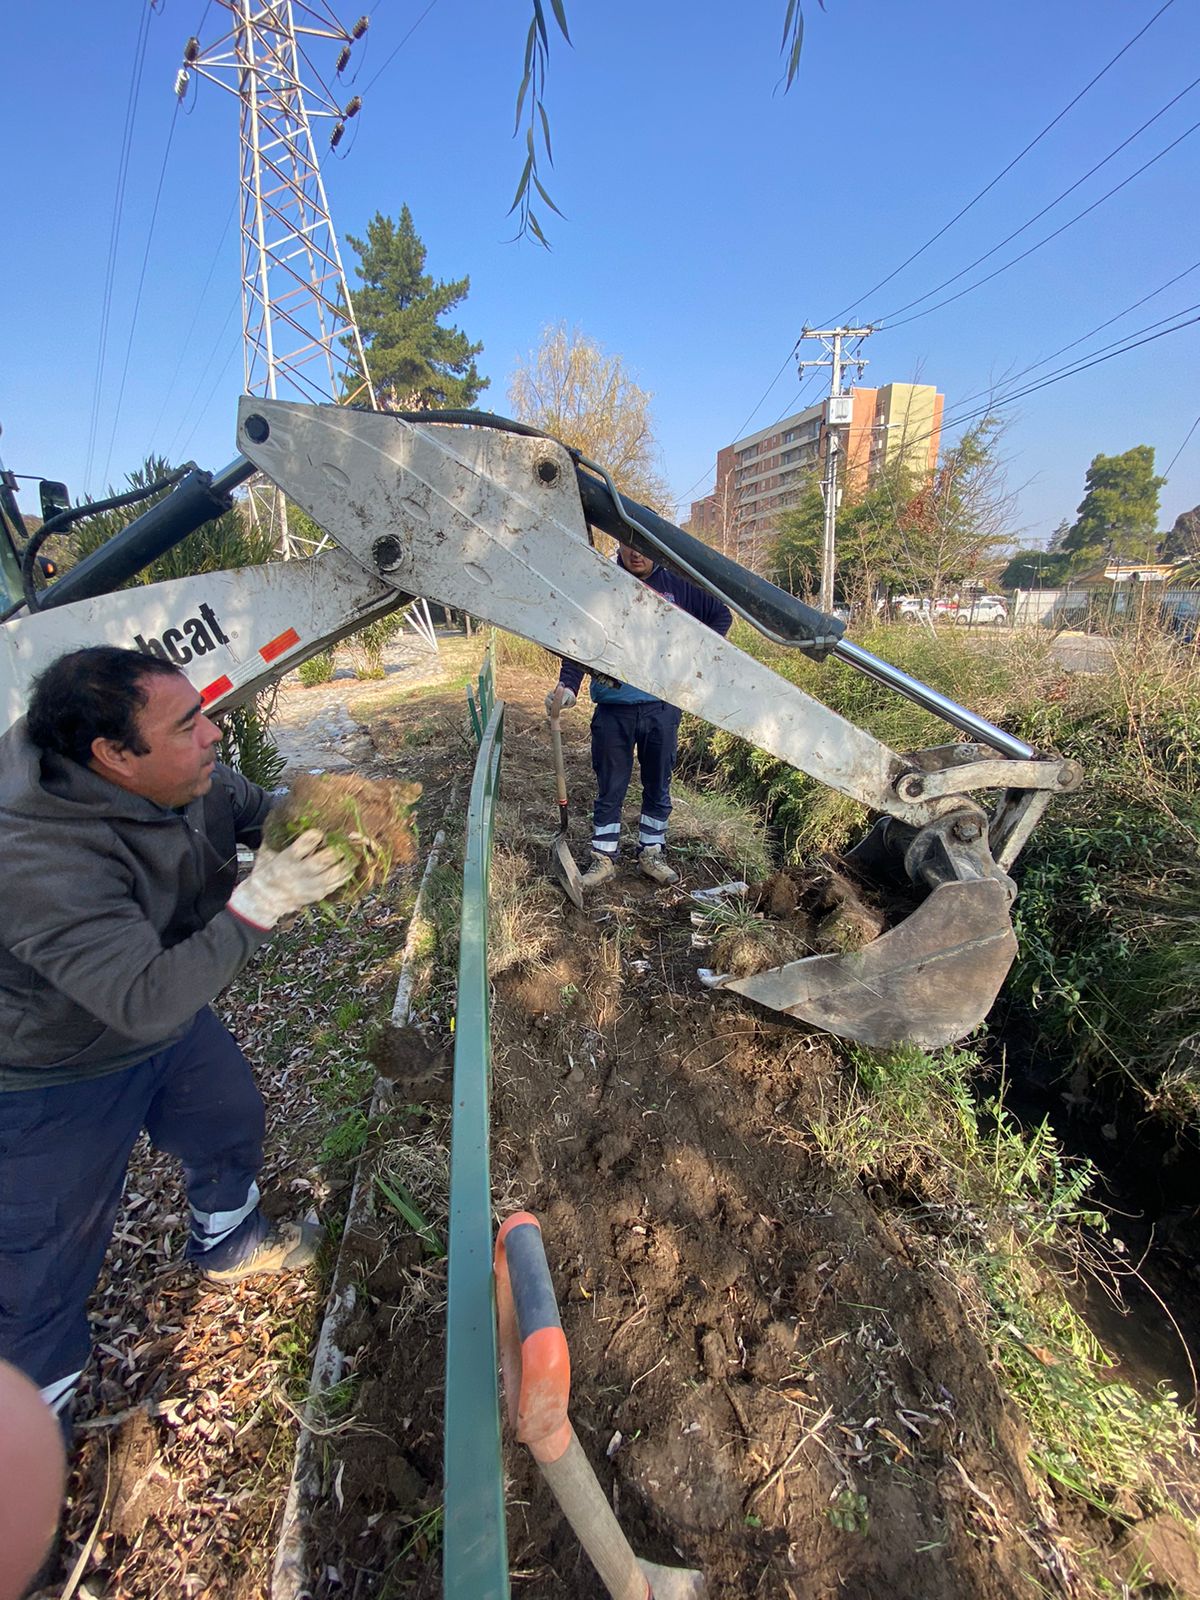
x=708 y=216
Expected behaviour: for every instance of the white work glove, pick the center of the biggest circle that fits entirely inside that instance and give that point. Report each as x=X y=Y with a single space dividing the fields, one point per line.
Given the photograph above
x=283 y=881
x=568 y=699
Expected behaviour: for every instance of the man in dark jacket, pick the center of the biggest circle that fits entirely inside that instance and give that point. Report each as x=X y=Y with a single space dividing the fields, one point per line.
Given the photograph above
x=119 y=922
x=628 y=721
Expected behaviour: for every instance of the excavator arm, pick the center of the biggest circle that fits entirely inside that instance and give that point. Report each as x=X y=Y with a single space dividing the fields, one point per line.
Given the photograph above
x=494 y=519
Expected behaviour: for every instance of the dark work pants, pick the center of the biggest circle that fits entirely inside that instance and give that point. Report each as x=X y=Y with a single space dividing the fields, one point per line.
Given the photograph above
x=63 y=1154
x=651 y=729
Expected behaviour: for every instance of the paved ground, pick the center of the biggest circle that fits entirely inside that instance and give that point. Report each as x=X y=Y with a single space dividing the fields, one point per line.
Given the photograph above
x=313 y=728
x=1083 y=652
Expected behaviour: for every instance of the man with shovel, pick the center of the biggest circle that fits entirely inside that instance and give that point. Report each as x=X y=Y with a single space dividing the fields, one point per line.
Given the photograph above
x=627 y=720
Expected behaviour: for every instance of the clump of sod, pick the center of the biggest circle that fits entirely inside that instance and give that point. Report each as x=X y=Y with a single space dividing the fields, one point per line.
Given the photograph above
x=368 y=822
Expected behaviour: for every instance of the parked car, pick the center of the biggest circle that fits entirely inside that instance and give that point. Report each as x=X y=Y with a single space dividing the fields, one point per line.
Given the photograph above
x=919 y=608
x=984 y=610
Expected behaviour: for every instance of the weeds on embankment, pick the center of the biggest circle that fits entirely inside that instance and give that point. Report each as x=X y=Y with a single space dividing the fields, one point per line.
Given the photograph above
x=999 y=1210
x=1108 y=914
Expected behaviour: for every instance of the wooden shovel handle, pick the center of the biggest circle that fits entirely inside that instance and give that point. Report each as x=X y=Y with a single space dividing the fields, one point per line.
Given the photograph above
x=560 y=773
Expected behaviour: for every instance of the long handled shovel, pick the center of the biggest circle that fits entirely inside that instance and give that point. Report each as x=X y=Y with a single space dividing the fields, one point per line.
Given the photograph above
x=562 y=862
x=537 y=1381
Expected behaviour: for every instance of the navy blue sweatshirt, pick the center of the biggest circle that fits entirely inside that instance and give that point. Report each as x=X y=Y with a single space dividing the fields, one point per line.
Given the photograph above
x=695 y=601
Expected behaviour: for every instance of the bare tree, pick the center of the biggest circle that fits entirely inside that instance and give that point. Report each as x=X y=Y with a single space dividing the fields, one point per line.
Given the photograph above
x=574 y=390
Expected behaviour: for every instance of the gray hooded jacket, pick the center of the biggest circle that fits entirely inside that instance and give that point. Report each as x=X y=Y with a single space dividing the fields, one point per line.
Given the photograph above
x=113 y=927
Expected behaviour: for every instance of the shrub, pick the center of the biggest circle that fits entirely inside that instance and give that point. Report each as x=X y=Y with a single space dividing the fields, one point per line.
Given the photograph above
x=369 y=643
x=317 y=669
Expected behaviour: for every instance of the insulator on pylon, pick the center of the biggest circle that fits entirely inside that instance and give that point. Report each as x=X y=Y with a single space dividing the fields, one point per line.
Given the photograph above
x=335 y=137
x=343 y=61
x=353 y=108
x=182 y=78
x=191 y=49
x=360 y=27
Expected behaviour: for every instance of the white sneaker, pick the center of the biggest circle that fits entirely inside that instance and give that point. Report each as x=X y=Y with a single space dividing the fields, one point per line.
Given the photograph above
x=651 y=865
x=601 y=870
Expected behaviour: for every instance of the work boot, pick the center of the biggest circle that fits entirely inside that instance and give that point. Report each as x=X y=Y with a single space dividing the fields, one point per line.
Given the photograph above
x=287 y=1247
x=651 y=865
x=601 y=870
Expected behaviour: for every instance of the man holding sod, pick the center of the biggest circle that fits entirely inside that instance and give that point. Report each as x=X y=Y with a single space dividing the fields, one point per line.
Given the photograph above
x=119 y=922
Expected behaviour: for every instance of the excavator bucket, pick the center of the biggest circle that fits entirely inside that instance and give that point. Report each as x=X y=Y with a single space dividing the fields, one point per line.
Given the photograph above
x=929 y=981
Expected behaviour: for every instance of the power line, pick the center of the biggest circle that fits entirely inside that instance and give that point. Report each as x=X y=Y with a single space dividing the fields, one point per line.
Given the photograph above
x=946 y=282
x=1005 y=170
x=1090 y=334
x=1082 y=366
x=1078 y=217
x=783 y=368
x=114 y=232
x=1182 y=447
x=204 y=371
x=1029 y=223
x=409 y=35
x=185 y=343
x=995 y=399
x=795 y=400
x=217 y=381
x=1069 y=371
x=137 y=302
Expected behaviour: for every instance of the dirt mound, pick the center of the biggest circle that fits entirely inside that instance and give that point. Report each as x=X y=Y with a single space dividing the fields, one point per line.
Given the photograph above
x=798 y=912
x=769 y=1385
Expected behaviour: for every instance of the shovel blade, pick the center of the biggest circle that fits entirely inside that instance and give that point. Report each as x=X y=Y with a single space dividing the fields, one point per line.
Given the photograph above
x=673 y=1583
x=563 y=868
x=928 y=981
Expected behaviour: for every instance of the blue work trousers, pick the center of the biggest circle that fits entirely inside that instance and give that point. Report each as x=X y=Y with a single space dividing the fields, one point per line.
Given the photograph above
x=63 y=1155
x=649 y=728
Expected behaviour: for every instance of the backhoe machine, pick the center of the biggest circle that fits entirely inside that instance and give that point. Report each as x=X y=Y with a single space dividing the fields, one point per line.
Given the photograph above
x=495 y=519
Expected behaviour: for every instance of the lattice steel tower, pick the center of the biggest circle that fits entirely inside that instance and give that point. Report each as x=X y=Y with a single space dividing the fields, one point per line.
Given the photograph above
x=300 y=337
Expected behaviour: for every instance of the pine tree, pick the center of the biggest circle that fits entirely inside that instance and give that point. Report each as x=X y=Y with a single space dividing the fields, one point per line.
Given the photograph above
x=1118 y=515
x=415 y=362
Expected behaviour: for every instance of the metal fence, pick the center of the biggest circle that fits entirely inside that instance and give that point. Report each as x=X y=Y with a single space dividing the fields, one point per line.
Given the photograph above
x=1113 y=608
x=475 y=1547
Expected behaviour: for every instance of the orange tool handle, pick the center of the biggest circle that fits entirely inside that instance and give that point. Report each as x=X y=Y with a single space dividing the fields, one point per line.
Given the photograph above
x=534 y=1358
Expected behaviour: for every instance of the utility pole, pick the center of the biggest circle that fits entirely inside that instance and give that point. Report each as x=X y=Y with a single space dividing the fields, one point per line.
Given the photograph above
x=838 y=409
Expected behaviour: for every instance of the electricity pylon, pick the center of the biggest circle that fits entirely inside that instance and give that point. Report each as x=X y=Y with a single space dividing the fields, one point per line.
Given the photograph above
x=300 y=337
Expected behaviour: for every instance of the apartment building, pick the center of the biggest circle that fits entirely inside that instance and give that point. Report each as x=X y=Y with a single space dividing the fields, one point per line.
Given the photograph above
x=765 y=474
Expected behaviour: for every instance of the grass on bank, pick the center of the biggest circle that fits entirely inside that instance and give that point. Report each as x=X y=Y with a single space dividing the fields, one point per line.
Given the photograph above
x=1004 y=1211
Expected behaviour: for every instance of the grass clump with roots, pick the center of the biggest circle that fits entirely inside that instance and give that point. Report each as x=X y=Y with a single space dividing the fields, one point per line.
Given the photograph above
x=366 y=822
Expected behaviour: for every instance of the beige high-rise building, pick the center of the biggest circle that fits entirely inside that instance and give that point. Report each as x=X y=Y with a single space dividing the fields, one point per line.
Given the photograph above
x=766 y=473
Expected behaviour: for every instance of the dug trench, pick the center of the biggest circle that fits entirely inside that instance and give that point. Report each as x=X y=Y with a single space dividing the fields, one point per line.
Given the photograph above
x=776 y=1376
x=1147 y=1182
